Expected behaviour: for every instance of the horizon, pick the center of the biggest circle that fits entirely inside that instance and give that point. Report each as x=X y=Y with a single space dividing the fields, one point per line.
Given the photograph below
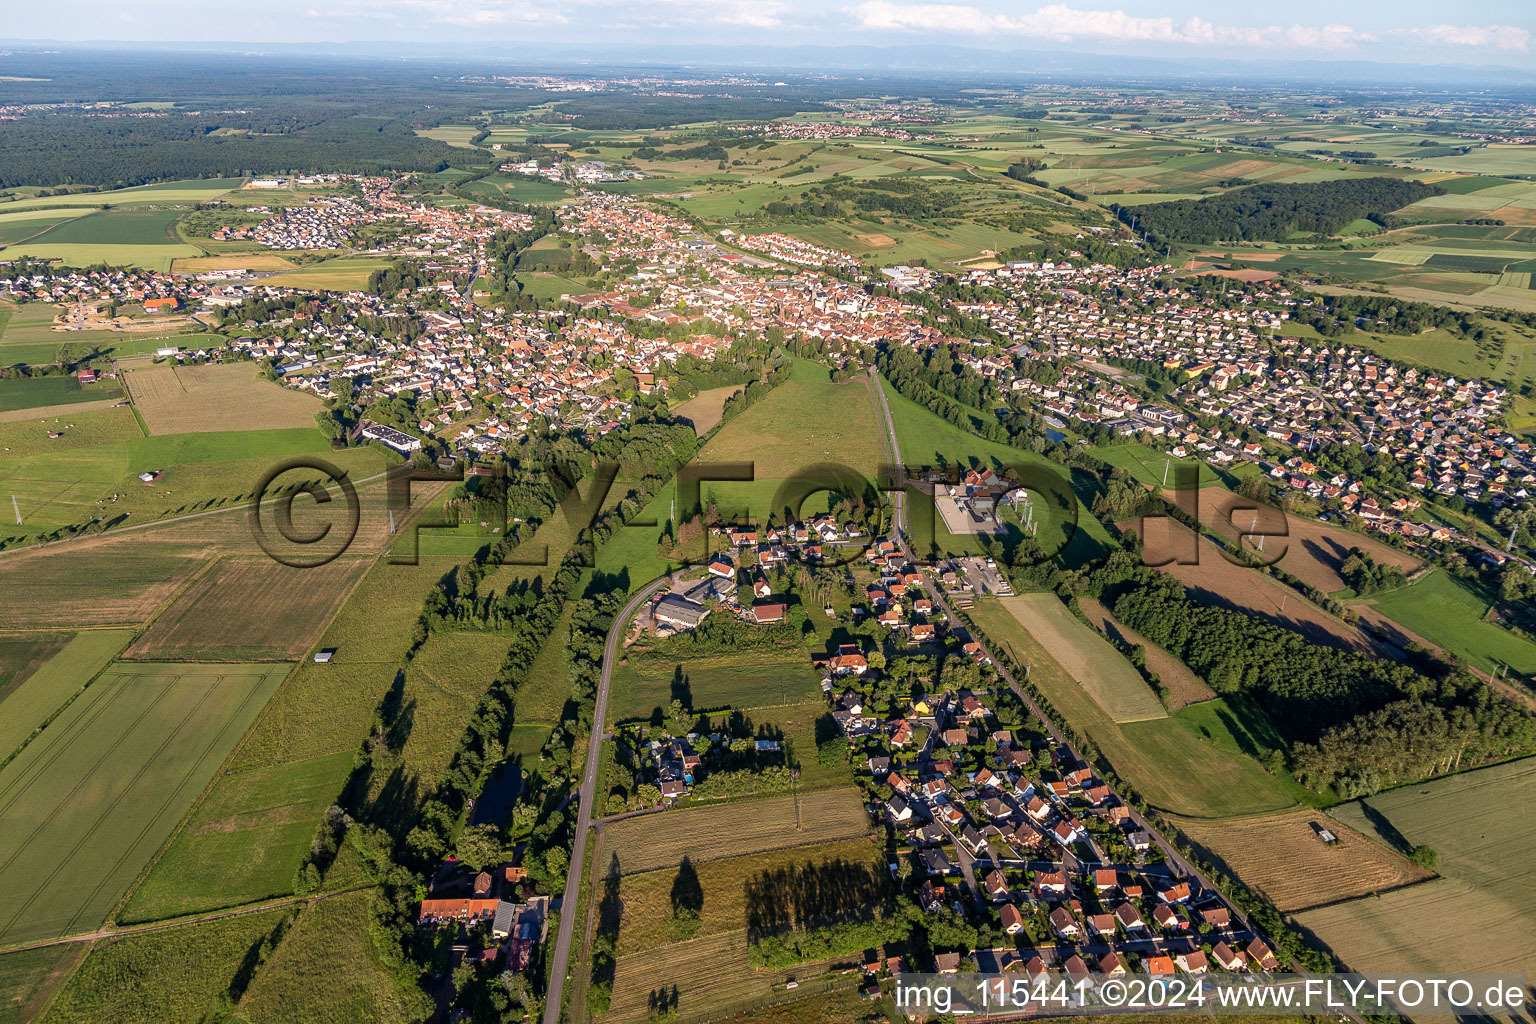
x=1496 y=35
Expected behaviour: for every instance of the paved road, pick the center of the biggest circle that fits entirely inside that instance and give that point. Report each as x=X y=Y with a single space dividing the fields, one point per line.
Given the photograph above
x=586 y=793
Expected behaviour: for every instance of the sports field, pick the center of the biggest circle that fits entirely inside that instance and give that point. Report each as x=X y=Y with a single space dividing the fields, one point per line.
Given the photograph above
x=1103 y=672
x=736 y=830
x=212 y=397
x=28 y=701
x=87 y=802
x=1482 y=903
x=249 y=609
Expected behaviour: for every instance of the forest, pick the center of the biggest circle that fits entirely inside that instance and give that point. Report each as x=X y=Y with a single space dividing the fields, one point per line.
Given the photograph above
x=1271 y=213
x=1356 y=724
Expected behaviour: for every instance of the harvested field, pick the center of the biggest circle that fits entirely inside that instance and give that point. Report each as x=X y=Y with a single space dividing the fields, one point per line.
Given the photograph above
x=94 y=584
x=1215 y=581
x=706 y=408
x=646 y=898
x=1184 y=687
x=1486 y=853
x=706 y=978
x=1311 y=551
x=1281 y=856
x=735 y=829
x=85 y=805
x=249 y=609
x=213 y=397
x=248 y=261
x=1101 y=670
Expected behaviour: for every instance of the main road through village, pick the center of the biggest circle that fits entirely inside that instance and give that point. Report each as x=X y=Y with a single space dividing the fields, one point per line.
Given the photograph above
x=569 y=908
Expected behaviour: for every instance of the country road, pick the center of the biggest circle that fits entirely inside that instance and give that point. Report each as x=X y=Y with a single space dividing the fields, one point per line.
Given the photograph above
x=586 y=793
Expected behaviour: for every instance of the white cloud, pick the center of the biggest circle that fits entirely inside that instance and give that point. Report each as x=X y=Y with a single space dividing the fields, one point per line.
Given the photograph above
x=1064 y=24
x=480 y=12
x=1498 y=37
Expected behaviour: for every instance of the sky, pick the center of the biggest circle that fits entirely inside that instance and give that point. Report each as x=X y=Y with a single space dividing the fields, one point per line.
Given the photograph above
x=1490 y=33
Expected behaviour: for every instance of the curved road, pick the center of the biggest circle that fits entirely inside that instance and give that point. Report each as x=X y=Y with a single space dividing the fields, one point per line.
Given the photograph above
x=585 y=793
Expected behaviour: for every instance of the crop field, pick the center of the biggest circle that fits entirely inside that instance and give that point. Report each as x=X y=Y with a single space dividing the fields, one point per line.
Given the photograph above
x=29 y=978
x=38 y=392
x=98 y=584
x=1184 y=687
x=192 y=191
x=644 y=681
x=1281 y=856
x=1103 y=672
x=216 y=397
x=28 y=699
x=22 y=654
x=1447 y=613
x=86 y=803
x=249 y=609
x=729 y=830
x=1191 y=763
x=347 y=273
x=647 y=897
x=705 y=409
x=325 y=973
x=1485 y=853
x=84 y=254
x=180 y=974
x=1216 y=581
x=246 y=261
x=141 y=226
x=25 y=224
x=262 y=820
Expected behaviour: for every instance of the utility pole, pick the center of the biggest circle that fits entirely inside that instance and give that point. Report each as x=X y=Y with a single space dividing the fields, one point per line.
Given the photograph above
x=391 y=520
x=1166 y=464
x=17 y=509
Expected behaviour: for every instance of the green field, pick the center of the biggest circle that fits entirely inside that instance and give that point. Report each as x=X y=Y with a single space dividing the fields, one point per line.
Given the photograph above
x=642 y=682
x=27 y=703
x=86 y=803
x=1448 y=613
x=38 y=392
x=192 y=191
x=254 y=828
x=1148 y=466
x=325 y=972
x=1482 y=903
x=1190 y=763
x=191 y=973
x=29 y=978
x=1103 y=672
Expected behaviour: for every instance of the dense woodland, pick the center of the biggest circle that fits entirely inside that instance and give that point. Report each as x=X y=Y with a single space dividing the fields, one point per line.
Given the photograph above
x=1353 y=723
x=1271 y=213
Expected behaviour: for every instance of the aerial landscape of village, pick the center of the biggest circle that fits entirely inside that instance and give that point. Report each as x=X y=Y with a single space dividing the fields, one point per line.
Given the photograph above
x=571 y=514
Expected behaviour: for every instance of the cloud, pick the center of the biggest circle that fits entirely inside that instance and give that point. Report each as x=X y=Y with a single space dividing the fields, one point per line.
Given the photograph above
x=126 y=17
x=480 y=12
x=1064 y=24
x=1498 y=37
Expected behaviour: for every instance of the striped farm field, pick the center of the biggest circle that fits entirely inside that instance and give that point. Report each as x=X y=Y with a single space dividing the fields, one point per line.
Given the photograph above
x=87 y=802
x=1101 y=670
x=1280 y=856
x=28 y=704
x=733 y=829
x=214 y=397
